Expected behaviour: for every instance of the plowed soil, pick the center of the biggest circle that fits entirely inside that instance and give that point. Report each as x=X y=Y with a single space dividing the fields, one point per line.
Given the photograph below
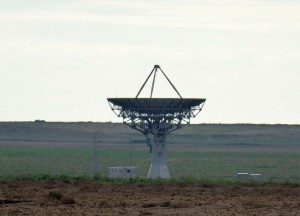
x=96 y=198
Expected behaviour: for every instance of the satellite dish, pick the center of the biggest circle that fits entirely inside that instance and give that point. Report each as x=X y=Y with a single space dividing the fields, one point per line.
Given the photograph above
x=156 y=118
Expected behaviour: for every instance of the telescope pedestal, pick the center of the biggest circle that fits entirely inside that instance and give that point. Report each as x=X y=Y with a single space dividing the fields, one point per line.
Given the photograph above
x=159 y=167
x=156 y=118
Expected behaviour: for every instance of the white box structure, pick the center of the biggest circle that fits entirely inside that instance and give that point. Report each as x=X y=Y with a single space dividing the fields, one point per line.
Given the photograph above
x=243 y=176
x=122 y=172
x=247 y=176
x=255 y=176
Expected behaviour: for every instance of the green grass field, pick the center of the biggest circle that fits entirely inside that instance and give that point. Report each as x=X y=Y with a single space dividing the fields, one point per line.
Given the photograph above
x=209 y=151
x=197 y=164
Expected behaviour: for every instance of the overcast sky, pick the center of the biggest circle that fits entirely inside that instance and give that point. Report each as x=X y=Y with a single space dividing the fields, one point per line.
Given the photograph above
x=61 y=59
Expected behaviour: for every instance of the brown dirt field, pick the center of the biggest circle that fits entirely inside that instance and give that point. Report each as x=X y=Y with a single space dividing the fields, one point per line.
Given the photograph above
x=96 y=198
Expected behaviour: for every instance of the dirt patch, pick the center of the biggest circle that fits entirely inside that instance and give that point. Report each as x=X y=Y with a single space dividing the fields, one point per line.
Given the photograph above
x=93 y=198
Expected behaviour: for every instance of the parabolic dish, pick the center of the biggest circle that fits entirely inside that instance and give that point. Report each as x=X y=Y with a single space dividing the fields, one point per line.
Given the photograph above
x=156 y=105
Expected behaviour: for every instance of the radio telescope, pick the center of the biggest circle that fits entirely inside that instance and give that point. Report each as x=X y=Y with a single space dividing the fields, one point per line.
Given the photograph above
x=156 y=118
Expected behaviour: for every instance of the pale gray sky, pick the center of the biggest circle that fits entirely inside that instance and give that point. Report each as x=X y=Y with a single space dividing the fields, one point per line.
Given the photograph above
x=61 y=59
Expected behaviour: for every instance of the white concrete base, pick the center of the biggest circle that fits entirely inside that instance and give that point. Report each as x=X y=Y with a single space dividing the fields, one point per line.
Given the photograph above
x=159 y=167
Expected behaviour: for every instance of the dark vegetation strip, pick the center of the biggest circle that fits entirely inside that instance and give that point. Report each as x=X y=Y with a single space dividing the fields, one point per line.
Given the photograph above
x=205 y=182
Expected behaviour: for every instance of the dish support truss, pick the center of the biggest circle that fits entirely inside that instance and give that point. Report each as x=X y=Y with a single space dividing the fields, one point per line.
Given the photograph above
x=156 y=128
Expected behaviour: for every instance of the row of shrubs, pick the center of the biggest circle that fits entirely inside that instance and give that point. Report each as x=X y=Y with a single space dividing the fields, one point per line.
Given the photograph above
x=186 y=180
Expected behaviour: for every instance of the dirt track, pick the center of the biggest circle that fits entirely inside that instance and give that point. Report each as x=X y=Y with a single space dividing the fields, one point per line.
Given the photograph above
x=94 y=198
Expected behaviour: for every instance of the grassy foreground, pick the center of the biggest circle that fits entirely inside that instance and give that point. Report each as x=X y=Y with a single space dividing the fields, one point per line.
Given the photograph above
x=283 y=166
